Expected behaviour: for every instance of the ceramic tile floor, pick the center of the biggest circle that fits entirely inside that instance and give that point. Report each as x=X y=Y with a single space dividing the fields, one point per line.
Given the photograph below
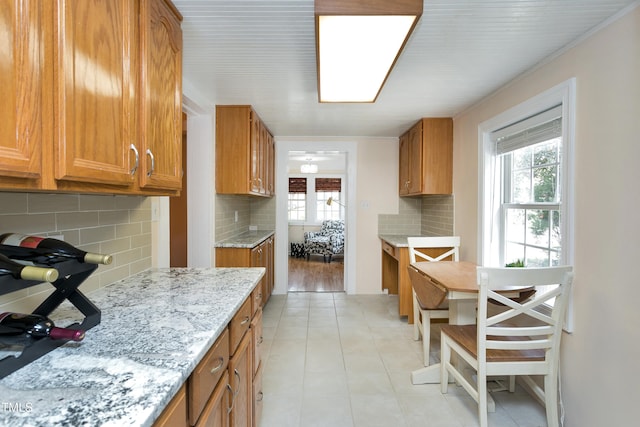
x=333 y=360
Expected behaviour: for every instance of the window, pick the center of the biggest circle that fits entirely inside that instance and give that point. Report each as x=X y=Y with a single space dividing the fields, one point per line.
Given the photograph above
x=297 y=204
x=308 y=199
x=526 y=176
x=328 y=204
x=530 y=210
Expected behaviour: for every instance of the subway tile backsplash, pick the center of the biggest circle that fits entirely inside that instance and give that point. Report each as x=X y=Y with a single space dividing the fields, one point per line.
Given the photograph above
x=117 y=225
x=420 y=216
x=258 y=211
x=437 y=216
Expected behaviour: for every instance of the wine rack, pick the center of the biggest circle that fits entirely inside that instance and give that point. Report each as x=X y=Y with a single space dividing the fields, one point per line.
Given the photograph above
x=71 y=274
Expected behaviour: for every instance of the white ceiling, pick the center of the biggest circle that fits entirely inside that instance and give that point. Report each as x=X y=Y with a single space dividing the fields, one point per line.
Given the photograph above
x=262 y=52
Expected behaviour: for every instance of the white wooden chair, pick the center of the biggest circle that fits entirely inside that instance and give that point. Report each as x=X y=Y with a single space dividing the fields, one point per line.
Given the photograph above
x=430 y=249
x=528 y=345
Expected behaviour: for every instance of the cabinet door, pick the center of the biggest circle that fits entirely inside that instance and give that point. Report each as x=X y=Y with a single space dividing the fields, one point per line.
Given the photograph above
x=255 y=153
x=21 y=88
x=216 y=413
x=263 y=152
x=270 y=260
x=415 y=159
x=270 y=165
x=93 y=93
x=259 y=259
x=403 y=182
x=258 y=397
x=161 y=96
x=256 y=341
x=241 y=380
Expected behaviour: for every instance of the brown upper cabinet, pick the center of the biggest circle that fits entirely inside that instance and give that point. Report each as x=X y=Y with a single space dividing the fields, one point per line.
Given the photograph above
x=24 y=107
x=244 y=152
x=426 y=158
x=95 y=97
x=161 y=97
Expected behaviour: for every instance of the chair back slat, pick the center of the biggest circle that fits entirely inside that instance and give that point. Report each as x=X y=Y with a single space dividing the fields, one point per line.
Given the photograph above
x=449 y=244
x=492 y=330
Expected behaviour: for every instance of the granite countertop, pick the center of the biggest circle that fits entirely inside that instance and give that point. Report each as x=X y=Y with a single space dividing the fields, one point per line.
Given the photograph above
x=248 y=239
x=397 y=240
x=156 y=327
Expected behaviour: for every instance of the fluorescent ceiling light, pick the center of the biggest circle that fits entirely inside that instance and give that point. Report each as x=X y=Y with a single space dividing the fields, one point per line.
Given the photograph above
x=357 y=44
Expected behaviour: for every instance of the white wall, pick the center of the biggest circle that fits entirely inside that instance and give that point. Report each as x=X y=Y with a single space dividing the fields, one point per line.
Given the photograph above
x=599 y=361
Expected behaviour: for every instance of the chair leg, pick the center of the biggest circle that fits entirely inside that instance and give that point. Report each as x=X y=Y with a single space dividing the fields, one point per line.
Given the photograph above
x=445 y=356
x=416 y=318
x=551 y=399
x=482 y=399
x=330 y=258
x=426 y=336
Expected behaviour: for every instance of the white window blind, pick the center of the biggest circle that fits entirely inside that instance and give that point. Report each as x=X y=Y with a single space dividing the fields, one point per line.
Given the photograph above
x=532 y=130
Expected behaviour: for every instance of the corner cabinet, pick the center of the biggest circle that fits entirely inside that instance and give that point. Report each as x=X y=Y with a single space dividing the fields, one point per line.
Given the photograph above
x=244 y=152
x=426 y=158
x=80 y=115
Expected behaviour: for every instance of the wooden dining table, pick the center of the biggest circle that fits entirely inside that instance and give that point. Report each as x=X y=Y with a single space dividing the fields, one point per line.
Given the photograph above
x=456 y=281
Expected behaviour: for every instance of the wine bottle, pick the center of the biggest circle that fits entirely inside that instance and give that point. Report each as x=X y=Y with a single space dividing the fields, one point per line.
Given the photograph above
x=57 y=248
x=36 y=326
x=26 y=272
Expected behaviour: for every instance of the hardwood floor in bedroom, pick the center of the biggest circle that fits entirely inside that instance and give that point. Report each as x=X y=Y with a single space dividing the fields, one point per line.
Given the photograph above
x=315 y=275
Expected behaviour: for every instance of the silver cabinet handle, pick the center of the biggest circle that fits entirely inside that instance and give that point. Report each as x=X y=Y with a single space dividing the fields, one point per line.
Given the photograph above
x=237 y=374
x=135 y=166
x=233 y=399
x=153 y=162
x=244 y=322
x=219 y=366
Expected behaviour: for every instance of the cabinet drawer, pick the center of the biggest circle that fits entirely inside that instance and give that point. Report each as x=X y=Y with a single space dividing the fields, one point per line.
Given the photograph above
x=257 y=339
x=391 y=250
x=239 y=325
x=206 y=375
x=256 y=298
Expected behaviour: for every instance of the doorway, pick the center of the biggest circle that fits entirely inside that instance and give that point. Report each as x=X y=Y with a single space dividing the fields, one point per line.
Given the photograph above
x=316 y=184
x=284 y=145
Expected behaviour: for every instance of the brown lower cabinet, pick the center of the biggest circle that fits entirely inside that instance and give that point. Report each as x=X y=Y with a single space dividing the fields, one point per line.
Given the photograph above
x=261 y=255
x=241 y=381
x=224 y=388
x=216 y=413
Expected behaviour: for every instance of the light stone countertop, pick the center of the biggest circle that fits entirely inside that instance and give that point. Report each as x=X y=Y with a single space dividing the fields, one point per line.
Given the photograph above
x=156 y=326
x=248 y=239
x=397 y=240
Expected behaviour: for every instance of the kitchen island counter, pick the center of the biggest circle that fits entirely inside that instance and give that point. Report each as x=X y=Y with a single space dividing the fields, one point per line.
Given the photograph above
x=156 y=326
